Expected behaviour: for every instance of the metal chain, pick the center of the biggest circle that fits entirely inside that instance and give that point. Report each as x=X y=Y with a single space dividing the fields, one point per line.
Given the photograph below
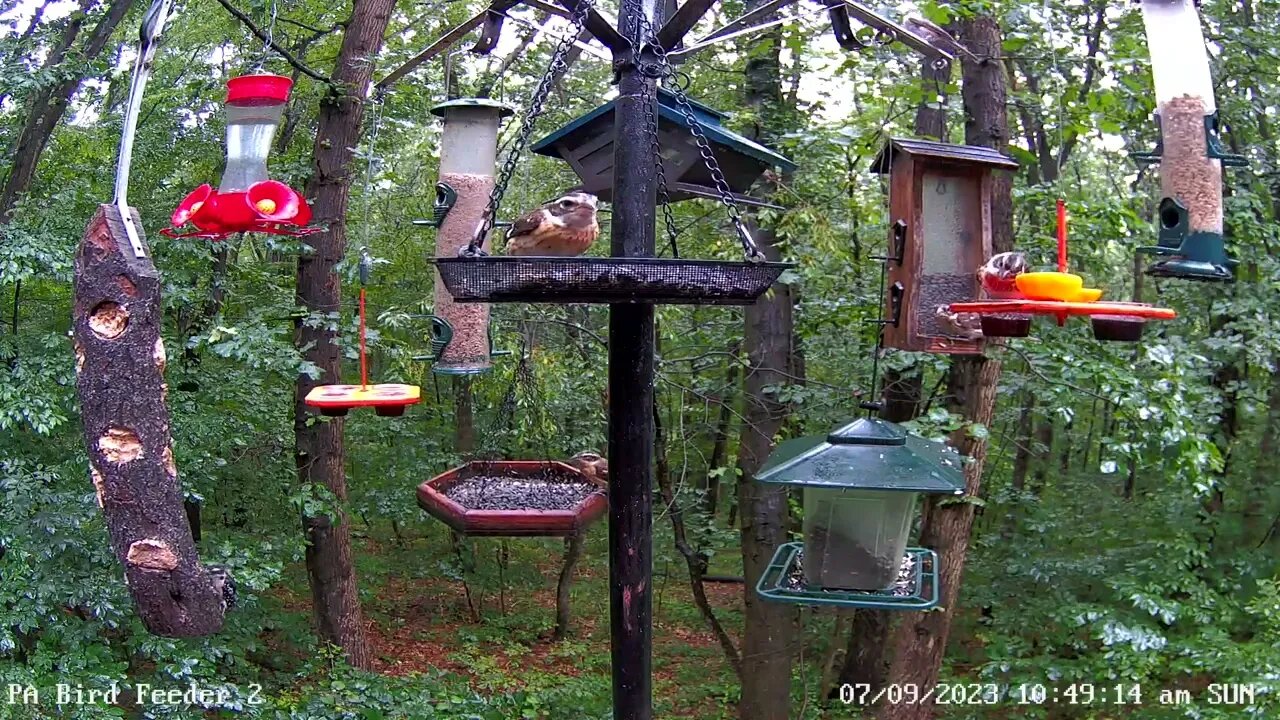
x=529 y=119
x=664 y=196
x=680 y=82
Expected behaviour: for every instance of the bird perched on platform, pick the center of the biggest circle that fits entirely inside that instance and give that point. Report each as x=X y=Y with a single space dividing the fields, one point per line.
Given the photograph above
x=997 y=275
x=963 y=325
x=564 y=227
x=591 y=465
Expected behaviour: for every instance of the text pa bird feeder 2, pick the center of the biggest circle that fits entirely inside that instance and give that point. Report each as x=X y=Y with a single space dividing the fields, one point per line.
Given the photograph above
x=246 y=199
x=860 y=487
x=387 y=399
x=511 y=498
x=940 y=233
x=1190 y=152
x=468 y=153
x=587 y=145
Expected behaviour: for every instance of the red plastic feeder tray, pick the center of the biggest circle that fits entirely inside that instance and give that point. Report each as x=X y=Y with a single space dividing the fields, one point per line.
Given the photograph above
x=389 y=399
x=1122 y=321
x=513 y=483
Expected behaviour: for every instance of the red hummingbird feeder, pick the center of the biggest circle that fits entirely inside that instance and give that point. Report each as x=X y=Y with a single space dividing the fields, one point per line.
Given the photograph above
x=1061 y=294
x=246 y=199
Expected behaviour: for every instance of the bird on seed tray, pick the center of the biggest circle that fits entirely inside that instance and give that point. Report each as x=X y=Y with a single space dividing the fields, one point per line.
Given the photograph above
x=591 y=465
x=997 y=275
x=564 y=227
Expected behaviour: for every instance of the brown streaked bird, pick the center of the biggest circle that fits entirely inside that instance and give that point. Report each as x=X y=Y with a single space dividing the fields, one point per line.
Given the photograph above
x=591 y=465
x=564 y=227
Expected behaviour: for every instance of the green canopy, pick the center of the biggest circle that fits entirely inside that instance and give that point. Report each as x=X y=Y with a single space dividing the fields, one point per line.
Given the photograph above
x=867 y=454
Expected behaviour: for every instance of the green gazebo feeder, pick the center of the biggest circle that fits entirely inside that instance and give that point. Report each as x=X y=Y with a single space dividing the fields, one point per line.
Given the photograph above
x=860 y=487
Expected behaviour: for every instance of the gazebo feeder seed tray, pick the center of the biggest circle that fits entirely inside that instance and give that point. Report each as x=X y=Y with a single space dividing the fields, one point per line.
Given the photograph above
x=915 y=586
x=607 y=280
x=510 y=498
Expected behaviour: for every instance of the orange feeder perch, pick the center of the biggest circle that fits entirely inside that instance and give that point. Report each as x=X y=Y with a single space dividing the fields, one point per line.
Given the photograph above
x=388 y=399
x=1062 y=294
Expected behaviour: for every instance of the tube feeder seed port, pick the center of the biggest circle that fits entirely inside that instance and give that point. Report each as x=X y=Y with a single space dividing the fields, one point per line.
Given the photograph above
x=860 y=486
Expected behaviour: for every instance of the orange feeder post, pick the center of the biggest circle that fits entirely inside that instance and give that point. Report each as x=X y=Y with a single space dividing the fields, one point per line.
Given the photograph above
x=388 y=399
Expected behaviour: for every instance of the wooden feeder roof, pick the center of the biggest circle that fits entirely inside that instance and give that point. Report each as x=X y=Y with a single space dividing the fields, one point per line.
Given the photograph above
x=867 y=454
x=945 y=152
x=709 y=119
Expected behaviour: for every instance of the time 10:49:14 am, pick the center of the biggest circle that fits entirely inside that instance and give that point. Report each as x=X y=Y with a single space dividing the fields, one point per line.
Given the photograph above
x=1078 y=694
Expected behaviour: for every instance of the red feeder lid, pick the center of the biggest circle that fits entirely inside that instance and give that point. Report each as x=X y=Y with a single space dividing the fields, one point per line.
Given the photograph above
x=258 y=89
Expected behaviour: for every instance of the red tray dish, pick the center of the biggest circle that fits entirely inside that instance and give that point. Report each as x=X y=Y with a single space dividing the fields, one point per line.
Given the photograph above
x=516 y=522
x=1053 y=307
x=387 y=398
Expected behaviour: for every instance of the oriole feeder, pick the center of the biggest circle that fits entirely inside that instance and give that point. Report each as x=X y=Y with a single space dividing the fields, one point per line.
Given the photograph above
x=1191 y=155
x=860 y=488
x=246 y=200
x=940 y=234
x=510 y=498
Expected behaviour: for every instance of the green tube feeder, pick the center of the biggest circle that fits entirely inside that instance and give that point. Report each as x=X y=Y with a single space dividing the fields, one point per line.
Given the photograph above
x=860 y=488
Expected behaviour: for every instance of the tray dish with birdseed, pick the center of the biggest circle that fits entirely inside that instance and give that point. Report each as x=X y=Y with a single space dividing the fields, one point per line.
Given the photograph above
x=514 y=498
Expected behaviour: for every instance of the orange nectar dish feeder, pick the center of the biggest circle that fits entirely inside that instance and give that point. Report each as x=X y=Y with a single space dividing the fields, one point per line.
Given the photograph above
x=388 y=399
x=1060 y=294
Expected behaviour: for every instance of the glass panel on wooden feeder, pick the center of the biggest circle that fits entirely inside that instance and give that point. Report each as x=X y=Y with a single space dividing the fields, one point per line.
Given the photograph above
x=1189 y=222
x=587 y=145
x=860 y=487
x=255 y=104
x=940 y=234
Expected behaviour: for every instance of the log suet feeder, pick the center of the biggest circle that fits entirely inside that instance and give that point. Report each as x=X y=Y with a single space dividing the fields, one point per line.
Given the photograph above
x=940 y=234
x=586 y=144
x=860 y=485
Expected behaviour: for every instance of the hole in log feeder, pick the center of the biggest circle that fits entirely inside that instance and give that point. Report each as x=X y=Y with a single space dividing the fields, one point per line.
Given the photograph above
x=108 y=320
x=79 y=349
x=99 y=484
x=152 y=555
x=167 y=460
x=120 y=445
x=159 y=356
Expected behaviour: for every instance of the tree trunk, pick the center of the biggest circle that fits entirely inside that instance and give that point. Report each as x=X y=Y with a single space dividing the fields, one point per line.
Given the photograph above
x=921 y=638
x=720 y=442
x=319 y=448
x=1021 y=461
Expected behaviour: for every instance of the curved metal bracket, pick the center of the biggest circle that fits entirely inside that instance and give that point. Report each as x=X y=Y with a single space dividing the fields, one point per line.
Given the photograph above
x=446 y=197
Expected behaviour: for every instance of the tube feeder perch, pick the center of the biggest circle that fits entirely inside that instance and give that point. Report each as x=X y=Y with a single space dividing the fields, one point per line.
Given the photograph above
x=940 y=234
x=587 y=145
x=860 y=486
x=460 y=339
x=246 y=199
x=514 y=498
x=1191 y=155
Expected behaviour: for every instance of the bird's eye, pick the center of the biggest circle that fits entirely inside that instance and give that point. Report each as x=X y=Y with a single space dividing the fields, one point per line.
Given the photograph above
x=566 y=204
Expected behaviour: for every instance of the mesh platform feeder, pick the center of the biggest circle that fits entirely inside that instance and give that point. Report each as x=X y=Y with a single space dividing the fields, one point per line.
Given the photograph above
x=860 y=486
x=119 y=362
x=1190 y=152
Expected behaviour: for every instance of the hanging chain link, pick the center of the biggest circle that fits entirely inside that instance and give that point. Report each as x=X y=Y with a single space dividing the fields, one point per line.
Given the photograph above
x=664 y=196
x=680 y=81
x=532 y=112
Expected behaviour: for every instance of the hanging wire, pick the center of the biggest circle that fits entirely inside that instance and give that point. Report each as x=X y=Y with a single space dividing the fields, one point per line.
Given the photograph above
x=269 y=37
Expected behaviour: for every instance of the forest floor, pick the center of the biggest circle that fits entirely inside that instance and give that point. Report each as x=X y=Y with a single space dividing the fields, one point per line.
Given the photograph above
x=419 y=619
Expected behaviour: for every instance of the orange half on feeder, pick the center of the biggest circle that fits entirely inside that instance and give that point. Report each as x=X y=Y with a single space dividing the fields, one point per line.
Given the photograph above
x=388 y=399
x=1060 y=294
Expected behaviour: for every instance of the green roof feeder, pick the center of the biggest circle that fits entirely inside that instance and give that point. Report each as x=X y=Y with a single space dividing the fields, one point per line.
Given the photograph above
x=860 y=487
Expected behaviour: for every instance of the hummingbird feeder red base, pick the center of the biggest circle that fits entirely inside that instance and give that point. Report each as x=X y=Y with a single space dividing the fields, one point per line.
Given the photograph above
x=388 y=399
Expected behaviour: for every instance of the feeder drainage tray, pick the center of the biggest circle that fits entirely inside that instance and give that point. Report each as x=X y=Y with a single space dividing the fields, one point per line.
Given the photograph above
x=606 y=280
x=916 y=587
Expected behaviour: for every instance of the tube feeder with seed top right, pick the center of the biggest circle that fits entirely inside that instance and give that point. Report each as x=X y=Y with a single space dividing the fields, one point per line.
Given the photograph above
x=1190 y=153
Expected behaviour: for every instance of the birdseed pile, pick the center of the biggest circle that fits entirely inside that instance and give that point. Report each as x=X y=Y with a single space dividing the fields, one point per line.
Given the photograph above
x=1187 y=174
x=904 y=583
x=544 y=491
x=469 y=349
x=939 y=290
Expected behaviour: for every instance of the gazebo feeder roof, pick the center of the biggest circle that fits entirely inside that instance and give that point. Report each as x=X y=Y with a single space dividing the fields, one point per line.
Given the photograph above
x=867 y=454
x=586 y=144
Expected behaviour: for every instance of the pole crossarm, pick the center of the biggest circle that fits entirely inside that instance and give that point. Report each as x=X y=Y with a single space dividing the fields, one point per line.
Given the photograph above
x=680 y=23
x=603 y=28
x=840 y=10
x=492 y=30
x=443 y=43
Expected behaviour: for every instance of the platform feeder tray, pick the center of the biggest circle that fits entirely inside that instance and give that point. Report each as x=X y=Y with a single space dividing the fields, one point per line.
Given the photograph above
x=514 y=498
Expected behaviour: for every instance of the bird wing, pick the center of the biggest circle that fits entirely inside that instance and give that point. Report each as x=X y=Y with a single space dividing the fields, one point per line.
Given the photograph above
x=526 y=224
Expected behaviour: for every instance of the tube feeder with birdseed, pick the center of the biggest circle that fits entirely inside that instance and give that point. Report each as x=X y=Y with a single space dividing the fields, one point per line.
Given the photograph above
x=247 y=199
x=387 y=399
x=1060 y=294
x=514 y=498
x=1191 y=155
x=940 y=234
x=860 y=487
x=461 y=334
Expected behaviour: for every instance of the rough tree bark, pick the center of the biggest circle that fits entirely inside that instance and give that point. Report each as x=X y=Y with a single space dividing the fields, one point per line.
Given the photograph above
x=318 y=442
x=919 y=641
x=120 y=378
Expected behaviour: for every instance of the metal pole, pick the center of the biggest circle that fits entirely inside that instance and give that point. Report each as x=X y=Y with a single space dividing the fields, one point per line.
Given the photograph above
x=631 y=380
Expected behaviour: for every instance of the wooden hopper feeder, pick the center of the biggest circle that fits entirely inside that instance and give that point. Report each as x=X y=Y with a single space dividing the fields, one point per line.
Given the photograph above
x=510 y=498
x=940 y=234
x=587 y=145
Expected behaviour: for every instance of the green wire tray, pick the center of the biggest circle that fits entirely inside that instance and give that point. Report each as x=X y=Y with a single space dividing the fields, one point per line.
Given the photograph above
x=924 y=595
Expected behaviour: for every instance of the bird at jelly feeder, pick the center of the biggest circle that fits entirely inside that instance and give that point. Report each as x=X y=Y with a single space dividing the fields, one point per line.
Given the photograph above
x=564 y=227
x=998 y=276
